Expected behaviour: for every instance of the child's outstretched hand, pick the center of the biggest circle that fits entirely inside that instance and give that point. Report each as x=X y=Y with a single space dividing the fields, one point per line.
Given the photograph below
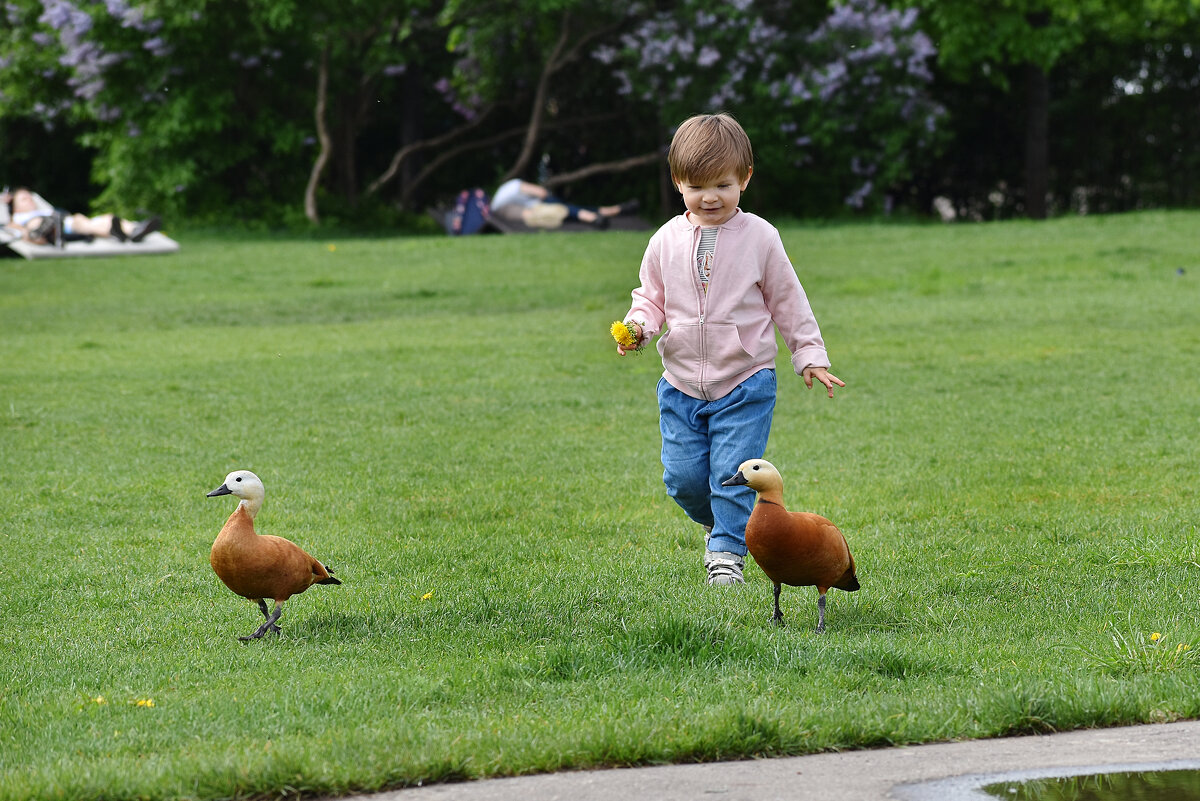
x=622 y=349
x=824 y=376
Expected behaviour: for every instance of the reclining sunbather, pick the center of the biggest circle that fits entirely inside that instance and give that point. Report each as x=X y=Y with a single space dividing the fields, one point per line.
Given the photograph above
x=533 y=205
x=41 y=223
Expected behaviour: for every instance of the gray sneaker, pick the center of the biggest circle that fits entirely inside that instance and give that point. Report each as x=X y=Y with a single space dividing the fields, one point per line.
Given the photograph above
x=724 y=568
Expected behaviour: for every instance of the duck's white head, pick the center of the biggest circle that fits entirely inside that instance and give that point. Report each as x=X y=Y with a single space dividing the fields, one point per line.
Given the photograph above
x=245 y=485
x=757 y=474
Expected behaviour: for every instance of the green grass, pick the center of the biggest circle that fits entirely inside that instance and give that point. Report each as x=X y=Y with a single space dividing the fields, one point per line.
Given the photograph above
x=1013 y=462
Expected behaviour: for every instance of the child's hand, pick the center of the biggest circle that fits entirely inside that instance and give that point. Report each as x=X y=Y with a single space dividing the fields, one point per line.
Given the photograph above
x=622 y=350
x=824 y=376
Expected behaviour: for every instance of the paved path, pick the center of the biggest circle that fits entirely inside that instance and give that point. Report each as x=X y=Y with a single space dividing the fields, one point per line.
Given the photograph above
x=891 y=773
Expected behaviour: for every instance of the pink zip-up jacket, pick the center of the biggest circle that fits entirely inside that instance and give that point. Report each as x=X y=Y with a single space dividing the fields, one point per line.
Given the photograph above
x=716 y=340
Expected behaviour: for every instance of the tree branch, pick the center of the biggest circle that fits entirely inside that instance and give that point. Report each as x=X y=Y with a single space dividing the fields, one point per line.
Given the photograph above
x=424 y=144
x=619 y=165
x=451 y=153
x=447 y=155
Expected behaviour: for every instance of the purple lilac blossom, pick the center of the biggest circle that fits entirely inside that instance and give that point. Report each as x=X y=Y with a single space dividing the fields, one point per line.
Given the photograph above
x=708 y=56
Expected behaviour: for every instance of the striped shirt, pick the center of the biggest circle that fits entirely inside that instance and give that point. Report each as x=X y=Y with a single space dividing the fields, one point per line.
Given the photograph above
x=704 y=254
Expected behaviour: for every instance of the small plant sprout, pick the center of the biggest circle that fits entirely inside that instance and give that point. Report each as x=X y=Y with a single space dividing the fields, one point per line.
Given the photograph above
x=1141 y=654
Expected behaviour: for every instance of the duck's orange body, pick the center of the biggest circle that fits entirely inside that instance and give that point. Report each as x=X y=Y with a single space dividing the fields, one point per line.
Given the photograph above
x=799 y=548
x=261 y=566
x=258 y=567
x=795 y=548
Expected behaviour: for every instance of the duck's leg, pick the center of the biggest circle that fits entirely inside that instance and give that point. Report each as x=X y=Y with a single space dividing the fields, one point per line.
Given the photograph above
x=821 y=610
x=269 y=624
x=263 y=606
x=778 y=616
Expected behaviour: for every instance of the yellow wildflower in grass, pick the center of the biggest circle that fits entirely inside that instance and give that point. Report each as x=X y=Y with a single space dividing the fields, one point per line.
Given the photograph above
x=427 y=596
x=1155 y=637
x=332 y=248
x=99 y=699
x=626 y=335
x=147 y=702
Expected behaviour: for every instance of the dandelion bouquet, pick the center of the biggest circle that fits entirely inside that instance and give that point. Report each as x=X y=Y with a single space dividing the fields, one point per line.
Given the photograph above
x=626 y=336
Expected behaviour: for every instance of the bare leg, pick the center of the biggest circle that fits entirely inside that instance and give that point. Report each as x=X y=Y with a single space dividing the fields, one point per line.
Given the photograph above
x=590 y=215
x=100 y=225
x=269 y=625
x=820 y=613
x=778 y=616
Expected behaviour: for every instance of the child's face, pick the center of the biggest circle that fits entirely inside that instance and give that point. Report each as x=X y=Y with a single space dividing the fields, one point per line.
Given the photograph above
x=713 y=202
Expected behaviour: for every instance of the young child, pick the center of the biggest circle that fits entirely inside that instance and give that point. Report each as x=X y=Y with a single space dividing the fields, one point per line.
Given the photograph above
x=720 y=282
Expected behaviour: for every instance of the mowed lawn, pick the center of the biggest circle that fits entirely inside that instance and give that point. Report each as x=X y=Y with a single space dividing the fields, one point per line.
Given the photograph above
x=1013 y=461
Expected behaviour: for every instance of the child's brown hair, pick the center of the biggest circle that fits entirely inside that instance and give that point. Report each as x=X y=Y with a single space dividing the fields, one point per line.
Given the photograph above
x=707 y=146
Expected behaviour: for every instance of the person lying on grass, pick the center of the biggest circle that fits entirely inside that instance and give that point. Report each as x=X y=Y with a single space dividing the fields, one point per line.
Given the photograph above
x=720 y=282
x=40 y=224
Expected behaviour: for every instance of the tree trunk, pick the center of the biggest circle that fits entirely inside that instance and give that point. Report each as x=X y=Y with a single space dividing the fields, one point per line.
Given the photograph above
x=1037 y=141
x=314 y=177
x=538 y=113
x=412 y=126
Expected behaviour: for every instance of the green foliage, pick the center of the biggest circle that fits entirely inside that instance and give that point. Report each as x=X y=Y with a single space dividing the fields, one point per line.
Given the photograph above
x=980 y=39
x=208 y=110
x=1012 y=462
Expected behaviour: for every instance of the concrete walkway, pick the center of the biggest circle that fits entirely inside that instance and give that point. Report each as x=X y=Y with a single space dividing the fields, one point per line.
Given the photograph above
x=942 y=771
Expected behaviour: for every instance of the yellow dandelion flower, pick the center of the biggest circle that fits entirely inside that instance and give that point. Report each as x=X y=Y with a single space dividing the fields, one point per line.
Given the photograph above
x=427 y=596
x=147 y=702
x=1155 y=637
x=99 y=699
x=332 y=248
x=625 y=334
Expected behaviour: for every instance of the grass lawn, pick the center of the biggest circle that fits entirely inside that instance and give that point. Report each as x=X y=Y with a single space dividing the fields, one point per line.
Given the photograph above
x=1013 y=462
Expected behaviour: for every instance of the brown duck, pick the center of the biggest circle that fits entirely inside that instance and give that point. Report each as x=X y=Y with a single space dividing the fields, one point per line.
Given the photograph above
x=795 y=548
x=260 y=566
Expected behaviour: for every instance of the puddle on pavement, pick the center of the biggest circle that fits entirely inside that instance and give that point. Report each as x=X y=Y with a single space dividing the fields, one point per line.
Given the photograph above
x=1151 y=785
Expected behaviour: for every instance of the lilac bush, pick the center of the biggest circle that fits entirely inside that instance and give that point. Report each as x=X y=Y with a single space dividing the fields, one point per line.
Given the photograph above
x=203 y=105
x=154 y=86
x=848 y=90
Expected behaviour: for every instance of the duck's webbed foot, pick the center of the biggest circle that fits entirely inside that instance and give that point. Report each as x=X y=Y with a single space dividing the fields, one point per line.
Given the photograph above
x=268 y=624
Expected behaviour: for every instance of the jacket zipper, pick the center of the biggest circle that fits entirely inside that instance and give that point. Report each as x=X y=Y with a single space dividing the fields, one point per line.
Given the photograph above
x=700 y=297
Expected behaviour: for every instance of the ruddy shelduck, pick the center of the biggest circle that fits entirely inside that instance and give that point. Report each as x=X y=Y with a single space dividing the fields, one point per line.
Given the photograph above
x=796 y=548
x=260 y=566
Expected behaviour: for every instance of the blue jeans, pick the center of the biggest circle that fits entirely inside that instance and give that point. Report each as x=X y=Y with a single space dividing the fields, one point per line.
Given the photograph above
x=703 y=444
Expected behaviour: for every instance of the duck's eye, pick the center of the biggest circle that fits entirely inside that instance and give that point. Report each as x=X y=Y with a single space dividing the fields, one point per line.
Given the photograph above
x=239 y=478
x=755 y=468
